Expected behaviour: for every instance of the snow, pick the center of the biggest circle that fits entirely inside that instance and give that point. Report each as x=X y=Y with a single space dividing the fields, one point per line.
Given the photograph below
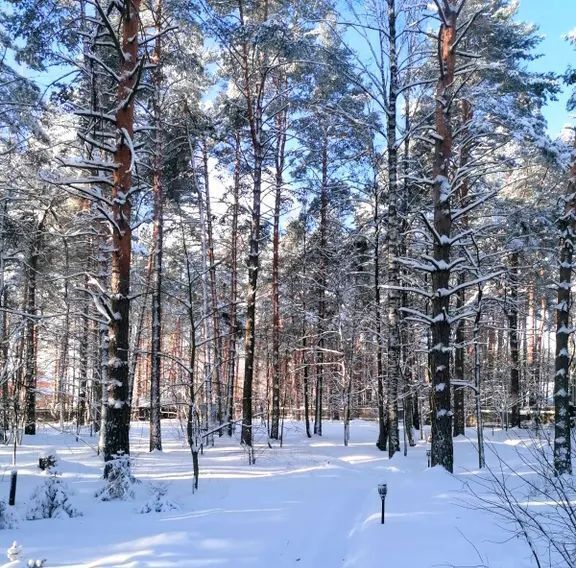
x=443 y=412
x=310 y=504
x=571 y=36
x=445 y=188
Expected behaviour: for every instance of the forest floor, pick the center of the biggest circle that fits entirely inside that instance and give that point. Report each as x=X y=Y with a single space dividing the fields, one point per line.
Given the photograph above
x=311 y=504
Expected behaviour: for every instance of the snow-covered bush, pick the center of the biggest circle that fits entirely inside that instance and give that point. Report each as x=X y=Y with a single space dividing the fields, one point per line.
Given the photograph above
x=51 y=499
x=8 y=519
x=14 y=552
x=119 y=483
x=158 y=501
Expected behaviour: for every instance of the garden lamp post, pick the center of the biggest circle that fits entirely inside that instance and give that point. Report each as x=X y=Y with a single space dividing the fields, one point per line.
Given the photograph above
x=382 y=490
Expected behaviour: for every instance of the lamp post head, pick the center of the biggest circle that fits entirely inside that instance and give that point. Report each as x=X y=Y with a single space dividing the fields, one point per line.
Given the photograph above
x=382 y=490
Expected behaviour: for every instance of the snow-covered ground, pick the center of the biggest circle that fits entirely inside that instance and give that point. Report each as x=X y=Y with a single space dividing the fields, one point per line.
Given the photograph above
x=310 y=504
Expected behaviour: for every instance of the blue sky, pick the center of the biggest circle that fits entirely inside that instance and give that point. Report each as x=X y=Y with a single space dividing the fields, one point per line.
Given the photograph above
x=554 y=18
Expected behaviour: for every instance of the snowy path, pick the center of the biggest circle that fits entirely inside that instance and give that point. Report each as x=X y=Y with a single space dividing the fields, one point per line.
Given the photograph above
x=310 y=504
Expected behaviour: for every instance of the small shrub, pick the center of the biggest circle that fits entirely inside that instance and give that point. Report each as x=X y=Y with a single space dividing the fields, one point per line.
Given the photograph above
x=158 y=501
x=119 y=482
x=51 y=500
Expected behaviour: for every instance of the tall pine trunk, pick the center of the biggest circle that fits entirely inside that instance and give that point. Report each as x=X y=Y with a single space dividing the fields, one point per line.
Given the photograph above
x=442 y=445
x=305 y=346
x=460 y=335
x=322 y=283
x=233 y=325
x=193 y=418
x=250 y=333
x=393 y=237
x=117 y=423
x=562 y=434
x=4 y=345
x=513 y=339
x=382 y=442
x=207 y=322
x=30 y=360
x=4 y=373
x=83 y=361
x=89 y=91
x=158 y=239
x=135 y=389
x=279 y=182
x=103 y=343
x=531 y=352
x=254 y=113
x=62 y=367
x=217 y=340
x=411 y=418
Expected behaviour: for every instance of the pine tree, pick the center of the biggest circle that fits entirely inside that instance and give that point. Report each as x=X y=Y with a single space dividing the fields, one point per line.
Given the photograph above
x=567 y=226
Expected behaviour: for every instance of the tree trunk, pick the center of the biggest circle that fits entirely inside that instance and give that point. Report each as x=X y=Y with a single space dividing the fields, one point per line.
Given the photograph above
x=217 y=340
x=322 y=283
x=134 y=387
x=459 y=359
x=250 y=334
x=103 y=344
x=412 y=418
x=4 y=374
x=280 y=146
x=254 y=110
x=305 y=346
x=233 y=324
x=382 y=442
x=531 y=351
x=83 y=362
x=117 y=442
x=348 y=384
x=158 y=239
x=62 y=367
x=30 y=354
x=562 y=434
x=513 y=340
x=206 y=320
x=477 y=380
x=193 y=418
x=394 y=370
x=442 y=446
x=539 y=358
x=30 y=378
x=460 y=335
x=306 y=381
x=4 y=345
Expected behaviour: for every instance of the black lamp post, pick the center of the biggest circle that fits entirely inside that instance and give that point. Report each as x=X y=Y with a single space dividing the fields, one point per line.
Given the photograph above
x=13 y=480
x=429 y=457
x=382 y=490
